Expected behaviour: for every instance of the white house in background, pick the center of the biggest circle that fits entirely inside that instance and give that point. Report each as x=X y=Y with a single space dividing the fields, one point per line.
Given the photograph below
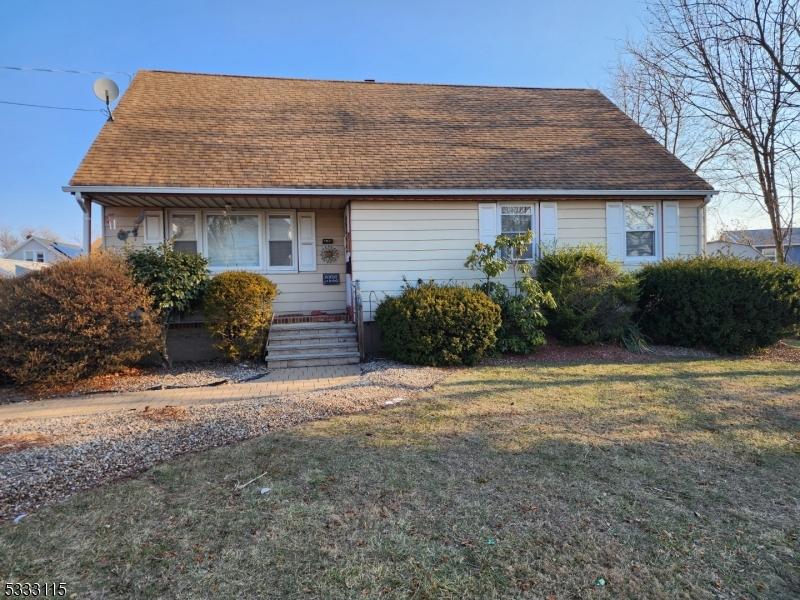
x=40 y=250
x=340 y=190
x=737 y=249
x=16 y=268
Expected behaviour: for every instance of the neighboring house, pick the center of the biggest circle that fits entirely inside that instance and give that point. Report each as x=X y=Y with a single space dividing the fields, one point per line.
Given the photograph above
x=739 y=250
x=323 y=185
x=16 y=268
x=762 y=240
x=41 y=250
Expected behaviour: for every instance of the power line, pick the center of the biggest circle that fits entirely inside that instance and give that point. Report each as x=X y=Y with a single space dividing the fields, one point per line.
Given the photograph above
x=68 y=71
x=51 y=107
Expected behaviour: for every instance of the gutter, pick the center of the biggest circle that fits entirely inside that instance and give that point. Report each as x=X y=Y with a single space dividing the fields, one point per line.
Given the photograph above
x=122 y=189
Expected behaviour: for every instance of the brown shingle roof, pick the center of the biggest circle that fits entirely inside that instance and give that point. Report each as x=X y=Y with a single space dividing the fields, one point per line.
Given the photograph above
x=191 y=130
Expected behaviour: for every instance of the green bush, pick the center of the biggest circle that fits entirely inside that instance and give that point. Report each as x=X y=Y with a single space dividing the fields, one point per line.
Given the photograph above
x=594 y=300
x=175 y=281
x=521 y=309
x=74 y=319
x=521 y=314
x=438 y=325
x=238 y=311
x=724 y=304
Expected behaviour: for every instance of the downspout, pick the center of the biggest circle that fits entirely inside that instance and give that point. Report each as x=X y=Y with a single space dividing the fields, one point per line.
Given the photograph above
x=86 y=207
x=701 y=225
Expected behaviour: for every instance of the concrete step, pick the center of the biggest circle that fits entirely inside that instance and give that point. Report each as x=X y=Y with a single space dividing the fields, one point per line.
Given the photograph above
x=313 y=335
x=284 y=334
x=274 y=351
x=312 y=342
x=312 y=325
x=330 y=360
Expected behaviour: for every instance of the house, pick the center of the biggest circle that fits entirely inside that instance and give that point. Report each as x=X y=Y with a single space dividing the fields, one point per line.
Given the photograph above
x=38 y=249
x=762 y=240
x=339 y=190
x=16 y=268
x=737 y=249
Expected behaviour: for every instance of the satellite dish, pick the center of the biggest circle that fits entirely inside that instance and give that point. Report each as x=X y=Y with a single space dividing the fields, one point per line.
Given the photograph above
x=106 y=90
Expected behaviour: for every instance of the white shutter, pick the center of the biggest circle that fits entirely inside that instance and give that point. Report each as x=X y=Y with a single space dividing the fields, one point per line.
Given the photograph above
x=671 y=228
x=153 y=228
x=487 y=222
x=307 y=241
x=615 y=231
x=548 y=224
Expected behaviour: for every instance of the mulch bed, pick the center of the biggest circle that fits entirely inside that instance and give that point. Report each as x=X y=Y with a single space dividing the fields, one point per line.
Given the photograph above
x=554 y=351
x=779 y=352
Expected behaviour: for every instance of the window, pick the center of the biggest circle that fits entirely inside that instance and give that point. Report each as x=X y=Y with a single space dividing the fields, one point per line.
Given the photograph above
x=233 y=240
x=516 y=220
x=770 y=254
x=34 y=256
x=280 y=241
x=640 y=230
x=183 y=232
x=40 y=257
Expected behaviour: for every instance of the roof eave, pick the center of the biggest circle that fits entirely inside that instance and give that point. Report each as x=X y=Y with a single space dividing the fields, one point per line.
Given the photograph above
x=122 y=189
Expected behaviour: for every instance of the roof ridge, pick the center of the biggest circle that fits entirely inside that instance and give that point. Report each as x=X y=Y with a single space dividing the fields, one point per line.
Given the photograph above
x=372 y=82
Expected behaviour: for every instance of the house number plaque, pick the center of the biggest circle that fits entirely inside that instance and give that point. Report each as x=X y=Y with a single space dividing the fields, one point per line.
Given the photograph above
x=330 y=279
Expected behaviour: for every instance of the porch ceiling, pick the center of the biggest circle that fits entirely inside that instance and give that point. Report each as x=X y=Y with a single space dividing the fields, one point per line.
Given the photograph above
x=216 y=201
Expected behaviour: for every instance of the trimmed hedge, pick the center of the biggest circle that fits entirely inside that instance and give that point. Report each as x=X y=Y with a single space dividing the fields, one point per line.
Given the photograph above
x=238 y=310
x=594 y=300
x=438 y=325
x=74 y=319
x=724 y=304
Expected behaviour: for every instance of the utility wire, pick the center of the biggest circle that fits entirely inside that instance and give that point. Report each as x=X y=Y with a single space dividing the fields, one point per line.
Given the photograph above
x=69 y=71
x=52 y=107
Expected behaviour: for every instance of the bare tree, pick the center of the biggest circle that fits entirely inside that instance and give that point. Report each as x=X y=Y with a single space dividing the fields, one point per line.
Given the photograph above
x=733 y=83
x=8 y=239
x=661 y=105
x=768 y=17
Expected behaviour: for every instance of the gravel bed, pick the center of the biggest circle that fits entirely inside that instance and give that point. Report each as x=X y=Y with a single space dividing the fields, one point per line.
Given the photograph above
x=46 y=460
x=140 y=379
x=391 y=373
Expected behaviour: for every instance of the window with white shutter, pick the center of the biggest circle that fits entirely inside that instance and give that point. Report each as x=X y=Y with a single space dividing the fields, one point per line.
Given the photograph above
x=307 y=242
x=487 y=222
x=671 y=228
x=153 y=228
x=548 y=224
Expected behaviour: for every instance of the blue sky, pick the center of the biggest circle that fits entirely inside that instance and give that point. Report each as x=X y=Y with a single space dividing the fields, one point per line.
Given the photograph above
x=569 y=43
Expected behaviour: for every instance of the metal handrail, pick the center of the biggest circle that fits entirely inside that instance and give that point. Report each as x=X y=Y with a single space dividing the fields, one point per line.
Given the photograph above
x=269 y=333
x=359 y=318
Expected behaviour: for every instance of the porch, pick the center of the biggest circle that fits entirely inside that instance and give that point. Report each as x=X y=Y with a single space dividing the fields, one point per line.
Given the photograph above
x=300 y=242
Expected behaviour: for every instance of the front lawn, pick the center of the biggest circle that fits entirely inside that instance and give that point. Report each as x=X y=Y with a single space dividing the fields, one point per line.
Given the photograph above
x=653 y=480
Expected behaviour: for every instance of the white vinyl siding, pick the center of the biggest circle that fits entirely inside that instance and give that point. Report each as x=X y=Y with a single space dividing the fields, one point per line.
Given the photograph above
x=415 y=239
x=582 y=222
x=691 y=215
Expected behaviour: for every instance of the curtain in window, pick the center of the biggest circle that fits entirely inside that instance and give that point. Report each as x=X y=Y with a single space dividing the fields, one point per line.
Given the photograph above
x=232 y=240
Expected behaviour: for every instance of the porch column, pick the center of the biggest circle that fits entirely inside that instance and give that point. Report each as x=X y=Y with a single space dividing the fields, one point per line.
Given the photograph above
x=86 y=207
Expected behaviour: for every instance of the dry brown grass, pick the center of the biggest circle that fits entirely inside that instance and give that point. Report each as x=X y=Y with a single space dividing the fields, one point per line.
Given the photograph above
x=665 y=480
x=20 y=441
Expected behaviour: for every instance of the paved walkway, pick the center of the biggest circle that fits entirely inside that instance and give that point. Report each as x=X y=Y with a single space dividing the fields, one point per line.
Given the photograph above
x=275 y=383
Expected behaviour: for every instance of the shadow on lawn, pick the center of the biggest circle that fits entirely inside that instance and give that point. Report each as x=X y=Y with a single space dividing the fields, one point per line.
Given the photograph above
x=501 y=485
